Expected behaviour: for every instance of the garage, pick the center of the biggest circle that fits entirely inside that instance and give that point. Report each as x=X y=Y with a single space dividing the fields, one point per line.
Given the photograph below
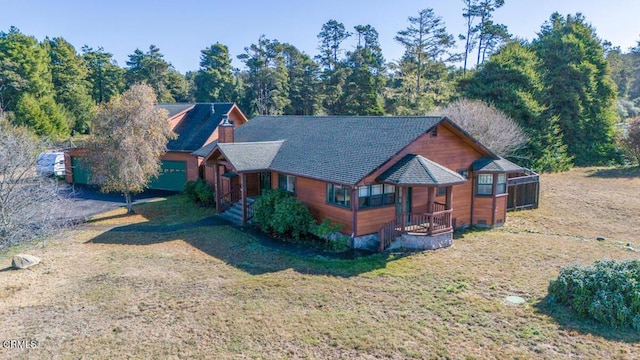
x=81 y=172
x=172 y=177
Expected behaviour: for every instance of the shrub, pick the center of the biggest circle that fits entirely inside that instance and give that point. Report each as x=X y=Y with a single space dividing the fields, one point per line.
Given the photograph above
x=608 y=291
x=277 y=212
x=199 y=191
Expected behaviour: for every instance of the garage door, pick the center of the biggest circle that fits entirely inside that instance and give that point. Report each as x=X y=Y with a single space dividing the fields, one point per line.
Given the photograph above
x=173 y=176
x=81 y=172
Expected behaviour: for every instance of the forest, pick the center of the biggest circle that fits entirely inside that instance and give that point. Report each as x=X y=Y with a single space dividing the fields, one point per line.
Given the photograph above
x=575 y=96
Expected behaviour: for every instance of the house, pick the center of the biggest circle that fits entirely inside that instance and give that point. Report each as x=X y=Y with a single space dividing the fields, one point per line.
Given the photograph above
x=195 y=124
x=406 y=179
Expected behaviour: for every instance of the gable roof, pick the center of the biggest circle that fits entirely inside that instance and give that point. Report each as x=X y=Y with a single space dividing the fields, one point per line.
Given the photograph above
x=414 y=169
x=197 y=125
x=496 y=165
x=251 y=156
x=339 y=149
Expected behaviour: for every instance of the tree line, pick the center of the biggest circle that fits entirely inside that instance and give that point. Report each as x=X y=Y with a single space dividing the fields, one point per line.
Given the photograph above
x=561 y=88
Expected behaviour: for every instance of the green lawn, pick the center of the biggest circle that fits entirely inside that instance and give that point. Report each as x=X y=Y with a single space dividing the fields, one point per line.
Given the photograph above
x=121 y=287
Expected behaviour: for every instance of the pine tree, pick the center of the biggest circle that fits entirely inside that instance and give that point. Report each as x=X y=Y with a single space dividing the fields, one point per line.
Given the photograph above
x=215 y=80
x=105 y=77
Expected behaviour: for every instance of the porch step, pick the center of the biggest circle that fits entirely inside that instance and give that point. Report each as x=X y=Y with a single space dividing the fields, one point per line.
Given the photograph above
x=234 y=213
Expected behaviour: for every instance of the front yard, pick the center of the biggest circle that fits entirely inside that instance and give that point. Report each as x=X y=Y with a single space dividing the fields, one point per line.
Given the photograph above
x=167 y=284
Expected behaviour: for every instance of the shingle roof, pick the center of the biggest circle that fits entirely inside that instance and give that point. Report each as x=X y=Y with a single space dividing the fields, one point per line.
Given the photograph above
x=175 y=109
x=417 y=170
x=251 y=156
x=339 y=149
x=197 y=125
x=496 y=165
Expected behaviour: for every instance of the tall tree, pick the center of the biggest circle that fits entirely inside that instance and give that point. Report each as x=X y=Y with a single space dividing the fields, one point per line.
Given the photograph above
x=365 y=79
x=128 y=137
x=69 y=73
x=105 y=77
x=153 y=69
x=469 y=12
x=267 y=80
x=511 y=81
x=579 y=89
x=215 y=80
x=487 y=31
x=331 y=36
x=304 y=82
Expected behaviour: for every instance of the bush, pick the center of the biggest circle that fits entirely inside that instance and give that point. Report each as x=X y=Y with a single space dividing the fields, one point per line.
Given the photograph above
x=199 y=191
x=277 y=212
x=608 y=291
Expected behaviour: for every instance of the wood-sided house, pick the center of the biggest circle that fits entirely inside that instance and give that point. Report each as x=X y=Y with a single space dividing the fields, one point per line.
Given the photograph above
x=411 y=179
x=196 y=125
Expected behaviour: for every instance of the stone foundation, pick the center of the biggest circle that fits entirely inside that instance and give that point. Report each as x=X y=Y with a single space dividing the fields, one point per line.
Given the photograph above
x=369 y=242
x=422 y=242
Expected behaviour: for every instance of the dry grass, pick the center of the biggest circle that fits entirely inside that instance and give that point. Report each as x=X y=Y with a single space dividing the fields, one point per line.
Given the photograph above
x=215 y=292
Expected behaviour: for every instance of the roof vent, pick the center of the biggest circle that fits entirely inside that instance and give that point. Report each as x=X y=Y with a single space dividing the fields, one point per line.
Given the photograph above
x=225 y=120
x=213 y=110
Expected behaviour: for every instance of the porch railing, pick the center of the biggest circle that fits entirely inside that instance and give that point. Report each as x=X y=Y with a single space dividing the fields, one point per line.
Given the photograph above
x=249 y=210
x=426 y=224
x=227 y=200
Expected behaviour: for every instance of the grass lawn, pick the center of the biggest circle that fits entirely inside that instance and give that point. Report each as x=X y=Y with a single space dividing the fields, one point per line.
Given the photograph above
x=124 y=287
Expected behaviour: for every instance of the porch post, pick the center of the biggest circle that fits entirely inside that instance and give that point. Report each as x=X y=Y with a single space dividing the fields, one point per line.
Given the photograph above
x=449 y=198
x=431 y=198
x=243 y=194
x=403 y=206
x=216 y=184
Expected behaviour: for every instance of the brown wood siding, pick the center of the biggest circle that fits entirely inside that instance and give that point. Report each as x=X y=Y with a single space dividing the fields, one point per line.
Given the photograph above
x=192 y=163
x=483 y=210
x=253 y=184
x=501 y=209
x=371 y=220
x=449 y=149
x=174 y=121
x=313 y=193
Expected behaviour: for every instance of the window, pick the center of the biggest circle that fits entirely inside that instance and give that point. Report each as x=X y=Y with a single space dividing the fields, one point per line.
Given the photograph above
x=442 y=191
x=287 y=183
x=376 y=195
x=502 y=184
x=485 y=184
x=338 y=195
x=464 y=173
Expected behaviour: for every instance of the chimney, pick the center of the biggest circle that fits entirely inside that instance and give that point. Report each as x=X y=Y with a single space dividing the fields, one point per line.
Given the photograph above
x=225 y=130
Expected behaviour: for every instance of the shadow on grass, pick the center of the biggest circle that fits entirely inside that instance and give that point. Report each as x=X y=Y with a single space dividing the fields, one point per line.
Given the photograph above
x=241 y=248
x=570 y=321
x=626 y=172
x=459 y=234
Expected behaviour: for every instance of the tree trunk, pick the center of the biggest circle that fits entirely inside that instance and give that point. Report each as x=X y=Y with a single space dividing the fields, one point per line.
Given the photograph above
x=127 y=197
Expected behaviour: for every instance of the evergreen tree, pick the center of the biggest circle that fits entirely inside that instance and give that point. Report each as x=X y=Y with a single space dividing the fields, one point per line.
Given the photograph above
x=331 y=37
x=215 y=80
x=151 y=68
x=105 y=77
x=42 y=115
x=511 y=82
x=69 y=73
x=578 y=88
x=304 y=82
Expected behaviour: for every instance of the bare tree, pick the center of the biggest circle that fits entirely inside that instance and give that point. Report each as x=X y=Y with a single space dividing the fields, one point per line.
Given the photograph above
x=127 y=139
x=30 y=206
x=493 y=128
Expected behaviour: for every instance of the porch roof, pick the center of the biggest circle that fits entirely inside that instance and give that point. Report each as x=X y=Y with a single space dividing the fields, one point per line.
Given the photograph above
x=419 y=171
x=496 y=165
x=250 y=156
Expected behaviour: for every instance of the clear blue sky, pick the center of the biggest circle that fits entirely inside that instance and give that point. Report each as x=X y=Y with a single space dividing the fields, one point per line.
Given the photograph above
x=181 y=28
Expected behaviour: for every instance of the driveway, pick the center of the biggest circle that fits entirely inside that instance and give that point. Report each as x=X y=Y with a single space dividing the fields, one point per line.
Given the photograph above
x=88 y=201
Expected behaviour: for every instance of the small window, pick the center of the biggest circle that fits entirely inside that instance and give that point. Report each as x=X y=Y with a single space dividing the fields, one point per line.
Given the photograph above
x=502 y=184
x=287 y=183
x=376 y=195
x=485 y=184
x=434 y=132
x=464 y=173
x=338 y=195
x=442 y=191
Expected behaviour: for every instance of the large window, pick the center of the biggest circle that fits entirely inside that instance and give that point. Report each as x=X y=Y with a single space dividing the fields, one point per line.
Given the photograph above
x=376 y=195
x=338 y=195
x=485 y=184
x=502 y=184
x=287 y=183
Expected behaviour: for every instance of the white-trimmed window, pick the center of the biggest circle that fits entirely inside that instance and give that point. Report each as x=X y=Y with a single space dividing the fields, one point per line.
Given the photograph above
x=287 y=183
x=502 y=184
x=484 y=184
x=339 y=195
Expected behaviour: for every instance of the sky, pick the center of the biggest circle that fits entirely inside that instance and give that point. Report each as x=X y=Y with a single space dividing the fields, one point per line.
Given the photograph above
x=182 y=28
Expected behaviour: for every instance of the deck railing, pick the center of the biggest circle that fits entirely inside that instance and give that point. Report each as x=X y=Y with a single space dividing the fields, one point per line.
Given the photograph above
x=426 y=224
x=227 y=200
x=250 y=210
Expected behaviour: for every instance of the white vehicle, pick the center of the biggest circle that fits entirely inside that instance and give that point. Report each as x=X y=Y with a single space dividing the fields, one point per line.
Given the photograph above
x=50 y=164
